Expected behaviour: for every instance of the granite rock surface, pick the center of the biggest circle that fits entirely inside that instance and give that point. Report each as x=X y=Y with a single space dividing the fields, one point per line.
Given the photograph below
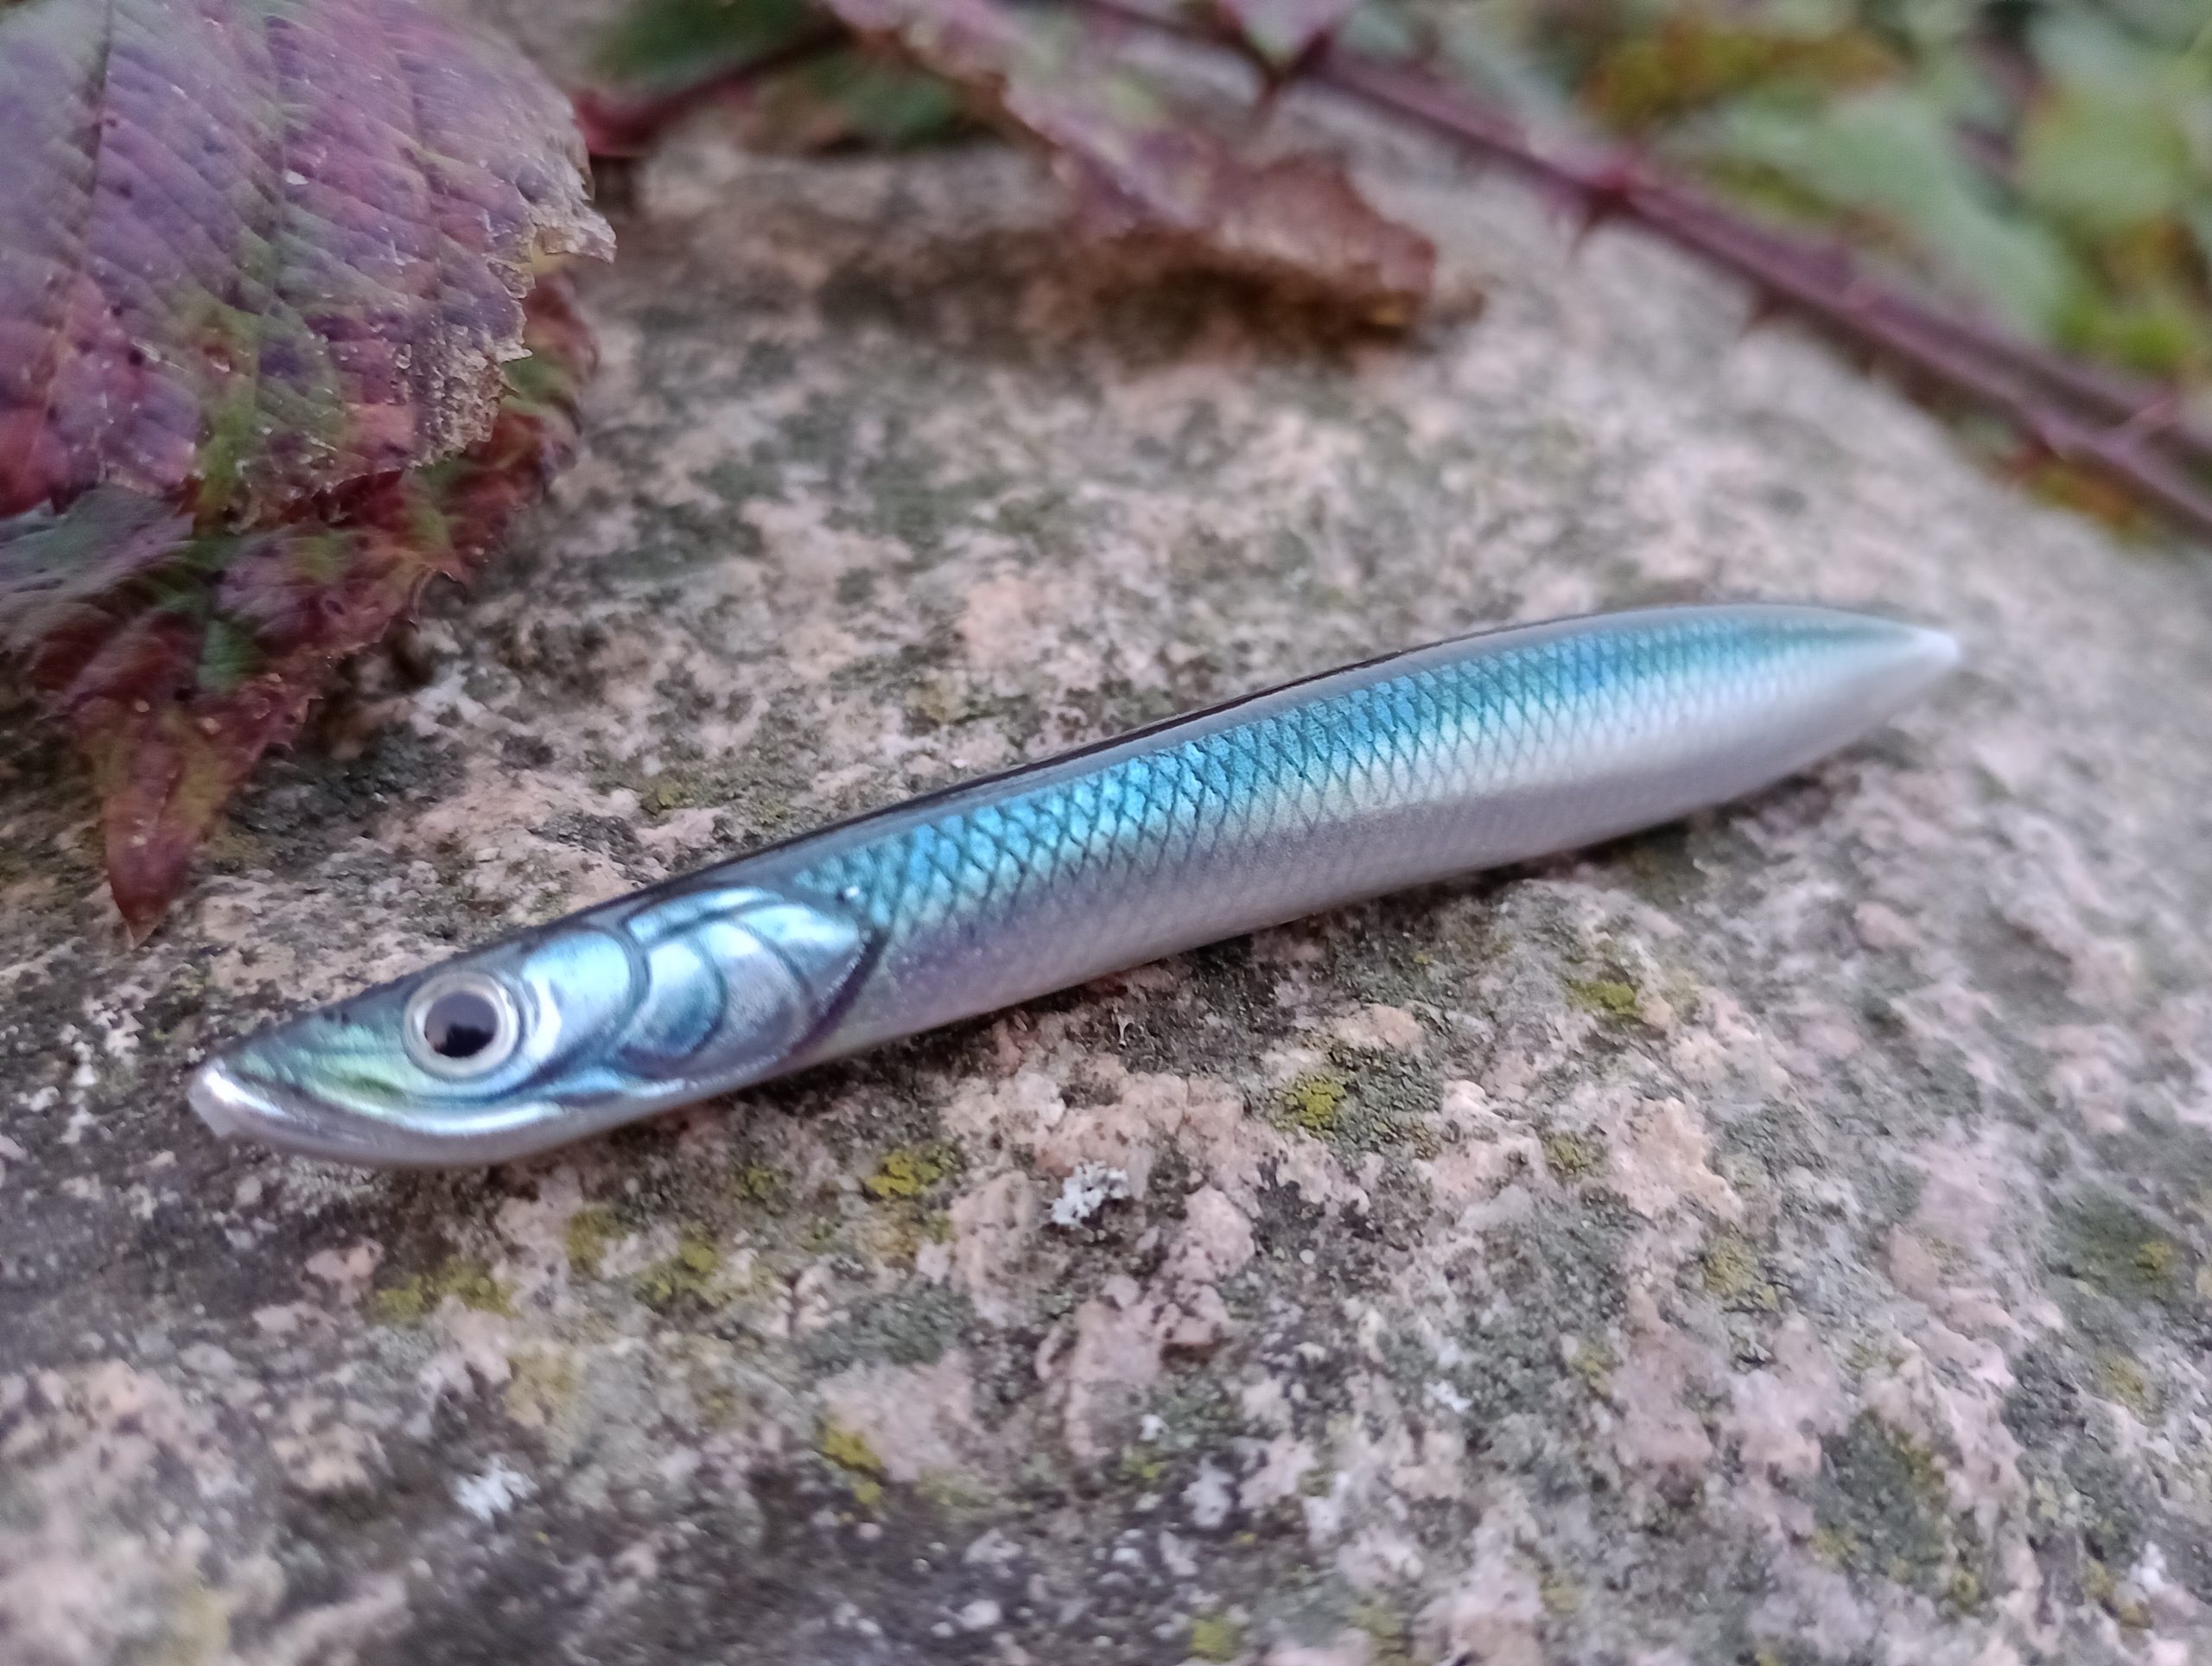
x=1785 y=1239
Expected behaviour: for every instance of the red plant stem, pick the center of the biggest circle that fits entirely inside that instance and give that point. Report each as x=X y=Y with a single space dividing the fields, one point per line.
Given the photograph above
x=1914 y=332
x=1961 y=353
x=2140 y=407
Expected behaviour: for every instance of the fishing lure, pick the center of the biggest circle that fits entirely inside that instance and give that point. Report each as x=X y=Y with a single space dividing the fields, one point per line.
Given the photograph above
x=1482 y=751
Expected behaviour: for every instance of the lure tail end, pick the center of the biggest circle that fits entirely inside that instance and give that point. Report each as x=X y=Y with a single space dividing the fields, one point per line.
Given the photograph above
x=1933 y=654
x=1925 y=657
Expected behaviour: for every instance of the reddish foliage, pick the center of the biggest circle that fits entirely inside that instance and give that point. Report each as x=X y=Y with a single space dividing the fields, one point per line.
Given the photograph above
x=251 y=252
x=1149 y=177
x=260 y=265
x=1152 y=176
x=178 y=658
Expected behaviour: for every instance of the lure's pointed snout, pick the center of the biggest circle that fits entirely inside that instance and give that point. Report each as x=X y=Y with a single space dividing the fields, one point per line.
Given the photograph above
x=238 y=1109
x=223 y=1104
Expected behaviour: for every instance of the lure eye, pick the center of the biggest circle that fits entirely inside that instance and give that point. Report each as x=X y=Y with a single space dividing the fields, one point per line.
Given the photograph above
x=463 y=1024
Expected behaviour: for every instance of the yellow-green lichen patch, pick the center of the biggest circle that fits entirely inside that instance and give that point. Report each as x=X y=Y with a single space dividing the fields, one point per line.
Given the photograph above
x=2120 y=1252
x=1142 y=1464
x=760 y=1185
x=955 y=1495
x=1882 y=1506
x=941 y=701
x=414 y=1299
x=686 y=1276
x=1312 y=1102
x=1865 y=1354
x=1388 y=1634
x=2101 y=1586
x=1594 y=1362
x=1609 y=998
x=1830 y=1546
x=542 y=1387
x=195 y=1631
x=590 y=1231
x=1573 y=1156
x=687 y=780
x=910 y=1171
x=1216 y=1637
x=892 y=1238
x=2098 y=1584
x=1362 y=1100
x=2123 y=1379
x=1735 y=1277
x=403 y=1303
x=2157 y=1259
x=849 y=1451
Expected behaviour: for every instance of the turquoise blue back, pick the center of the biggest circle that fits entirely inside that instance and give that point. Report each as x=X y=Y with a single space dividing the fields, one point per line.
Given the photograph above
x=1486 y=750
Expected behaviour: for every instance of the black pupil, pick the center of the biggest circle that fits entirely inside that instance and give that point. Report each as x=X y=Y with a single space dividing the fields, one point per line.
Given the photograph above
x=460 y=1024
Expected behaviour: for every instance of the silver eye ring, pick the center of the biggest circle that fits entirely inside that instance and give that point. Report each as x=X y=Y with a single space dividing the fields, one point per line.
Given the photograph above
x=461 y=1024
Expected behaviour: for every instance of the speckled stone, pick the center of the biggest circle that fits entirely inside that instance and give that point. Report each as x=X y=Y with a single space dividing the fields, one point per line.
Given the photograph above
x=1785 y=1239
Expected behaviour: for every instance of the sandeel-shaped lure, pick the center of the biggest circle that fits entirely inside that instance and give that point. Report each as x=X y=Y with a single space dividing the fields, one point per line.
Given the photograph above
x=1473 y=753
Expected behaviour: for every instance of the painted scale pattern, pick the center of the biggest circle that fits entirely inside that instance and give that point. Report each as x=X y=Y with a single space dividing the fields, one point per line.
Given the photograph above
x=1473 y=753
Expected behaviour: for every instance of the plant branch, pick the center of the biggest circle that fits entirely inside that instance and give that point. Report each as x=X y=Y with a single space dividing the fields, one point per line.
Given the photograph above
x=2142 y=408
x=1962 y=354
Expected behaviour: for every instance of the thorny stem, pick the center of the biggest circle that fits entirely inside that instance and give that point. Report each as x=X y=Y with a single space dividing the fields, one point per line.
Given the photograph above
x=2142 y=407
x=1961 y=353
x=1954 y=350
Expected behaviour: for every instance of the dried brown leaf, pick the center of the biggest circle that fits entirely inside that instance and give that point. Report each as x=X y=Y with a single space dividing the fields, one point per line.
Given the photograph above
x=1148 y=174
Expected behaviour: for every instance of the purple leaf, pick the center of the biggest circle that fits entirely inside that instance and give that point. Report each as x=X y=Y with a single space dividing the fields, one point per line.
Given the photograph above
x=251 y=252
x=177 y=658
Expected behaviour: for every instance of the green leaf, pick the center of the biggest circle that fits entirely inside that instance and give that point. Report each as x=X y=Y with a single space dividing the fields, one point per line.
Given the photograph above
x=2105 y=164
x=658 y=47
x=2160 y=333
x=2106 y=153
x=1887 y=156
x=853 y=96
